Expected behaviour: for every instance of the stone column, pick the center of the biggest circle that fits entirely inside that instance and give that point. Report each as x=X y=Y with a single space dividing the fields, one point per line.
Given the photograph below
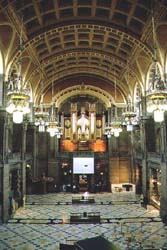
x=23 y=148
x=112 y=146
x=145 y=183
x=132 y=165
x=6 y=138
x=110 y=162
x=1 y=88
x=4 y=135
x=163 y=198
x=35 y=147
x=23 y=164
x=57 y=146
x=5 y=190
x=143 y=131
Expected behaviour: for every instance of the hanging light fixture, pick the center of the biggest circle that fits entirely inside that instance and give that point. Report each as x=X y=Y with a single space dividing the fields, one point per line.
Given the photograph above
x=41 y=114
x=53 y=126
x=130 y=118
x=41 y=117
x=54 y=130
x=18 y=95
x=108 y=130
x=114 y=127
x=116 y=123
x=156 y=95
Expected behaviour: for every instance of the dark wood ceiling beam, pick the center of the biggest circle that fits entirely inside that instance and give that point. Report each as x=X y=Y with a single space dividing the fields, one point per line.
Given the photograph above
x=113 y=32
x=61 y=39
x=112 y=9
x=93 y=8
x=91 y=35
x=56 y=8
x=76 y=38
x=105 y=39
x=47 y=44
x=37 y=11
x=75 y=8
x=55 y=66
x=130 y=14
x=119 y=43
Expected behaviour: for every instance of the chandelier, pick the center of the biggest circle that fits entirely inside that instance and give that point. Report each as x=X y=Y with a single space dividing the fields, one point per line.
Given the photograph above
x=113 y=128
x=53 y=127
x=116 y=127
x=41 y=118
x=156 y=95
x=18 y=96
x=108 y=130
x=157 y=98
x=130 y=119
x=17 y=102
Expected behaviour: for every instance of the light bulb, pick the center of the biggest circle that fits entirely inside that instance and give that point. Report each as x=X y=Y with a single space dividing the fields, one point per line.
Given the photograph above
x=150 y=108
x=158 y=115
x=41 y=128
x=52 y=133
x=129 y=127
x=58 y=136
x=26 y=110
x=10 y=108
x=116 y=133
x=17 y=116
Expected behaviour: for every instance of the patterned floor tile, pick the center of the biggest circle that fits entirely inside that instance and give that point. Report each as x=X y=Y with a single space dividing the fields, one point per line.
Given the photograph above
x=128 y=218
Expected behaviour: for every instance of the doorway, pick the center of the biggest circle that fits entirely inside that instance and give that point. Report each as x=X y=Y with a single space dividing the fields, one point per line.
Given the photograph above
x=83 y=183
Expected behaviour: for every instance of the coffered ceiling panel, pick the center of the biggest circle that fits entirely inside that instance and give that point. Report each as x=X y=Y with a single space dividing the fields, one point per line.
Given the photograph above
x=65 y=40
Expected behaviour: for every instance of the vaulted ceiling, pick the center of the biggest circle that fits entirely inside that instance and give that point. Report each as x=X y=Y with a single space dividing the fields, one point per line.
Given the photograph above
x=77 y=47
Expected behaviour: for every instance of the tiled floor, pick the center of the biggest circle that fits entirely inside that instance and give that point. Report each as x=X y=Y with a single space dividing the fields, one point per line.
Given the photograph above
x=44 y=223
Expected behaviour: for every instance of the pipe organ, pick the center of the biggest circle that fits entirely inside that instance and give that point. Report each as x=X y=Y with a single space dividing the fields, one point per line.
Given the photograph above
x=83 y=128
